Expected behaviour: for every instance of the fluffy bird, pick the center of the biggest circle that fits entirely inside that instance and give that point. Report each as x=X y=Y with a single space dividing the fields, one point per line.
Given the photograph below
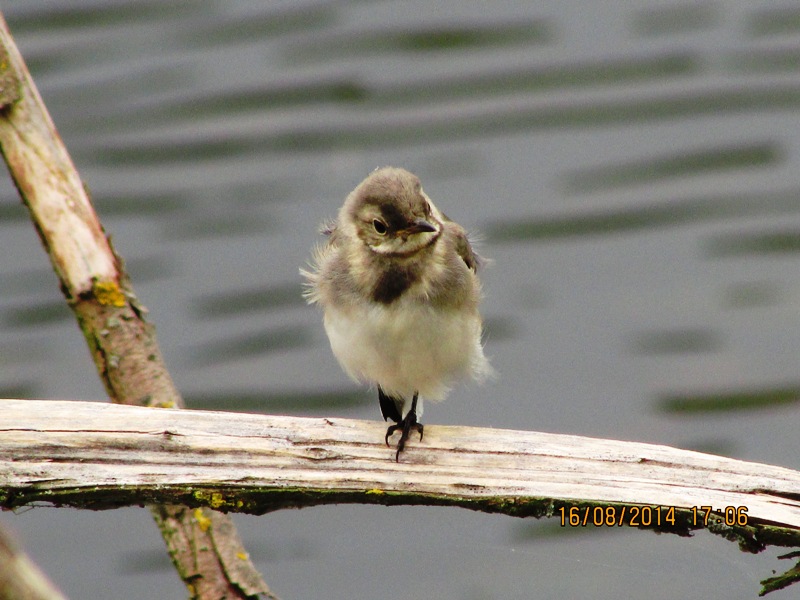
x=396 y=280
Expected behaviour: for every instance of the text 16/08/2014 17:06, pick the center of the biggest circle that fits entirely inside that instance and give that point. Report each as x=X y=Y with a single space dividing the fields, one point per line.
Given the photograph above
x=650 y=516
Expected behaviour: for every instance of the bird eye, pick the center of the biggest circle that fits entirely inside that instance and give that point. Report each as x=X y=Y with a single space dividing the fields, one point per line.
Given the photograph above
x=380 y=227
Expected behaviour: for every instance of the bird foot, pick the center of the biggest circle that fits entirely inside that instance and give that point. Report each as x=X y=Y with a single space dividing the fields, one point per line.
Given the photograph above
x=404 y=427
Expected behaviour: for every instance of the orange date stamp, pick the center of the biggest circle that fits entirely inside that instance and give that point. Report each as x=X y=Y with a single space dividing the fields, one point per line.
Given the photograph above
x=650 y=516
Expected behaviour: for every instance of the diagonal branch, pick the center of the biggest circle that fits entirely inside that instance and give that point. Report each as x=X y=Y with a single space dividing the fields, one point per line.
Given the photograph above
x=123 y=344
x=20 y=578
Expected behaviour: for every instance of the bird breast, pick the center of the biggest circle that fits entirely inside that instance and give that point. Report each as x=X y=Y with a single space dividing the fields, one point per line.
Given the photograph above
x=406 y=346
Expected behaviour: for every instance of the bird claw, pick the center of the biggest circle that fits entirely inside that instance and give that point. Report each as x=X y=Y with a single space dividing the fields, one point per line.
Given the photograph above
x=404 y=427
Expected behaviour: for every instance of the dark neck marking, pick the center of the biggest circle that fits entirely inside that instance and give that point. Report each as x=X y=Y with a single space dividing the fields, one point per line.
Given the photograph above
x=393 y=282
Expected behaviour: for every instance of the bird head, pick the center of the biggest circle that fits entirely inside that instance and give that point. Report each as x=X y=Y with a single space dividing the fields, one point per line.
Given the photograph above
x=391 y=214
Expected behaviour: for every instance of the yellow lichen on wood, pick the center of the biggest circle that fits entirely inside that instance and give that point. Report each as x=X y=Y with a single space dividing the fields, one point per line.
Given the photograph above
x=108 y=293
x=9 y=82
x=202 y=521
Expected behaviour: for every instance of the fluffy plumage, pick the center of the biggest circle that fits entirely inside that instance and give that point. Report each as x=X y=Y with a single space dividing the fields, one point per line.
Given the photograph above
x=398 y=286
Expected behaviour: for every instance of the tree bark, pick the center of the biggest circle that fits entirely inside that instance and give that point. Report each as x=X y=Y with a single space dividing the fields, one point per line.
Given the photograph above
x=100 y=456
x=123 y=344
x=97 y=456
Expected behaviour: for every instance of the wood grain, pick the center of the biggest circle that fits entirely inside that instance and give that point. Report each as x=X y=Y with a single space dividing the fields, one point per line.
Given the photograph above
x=102 y=455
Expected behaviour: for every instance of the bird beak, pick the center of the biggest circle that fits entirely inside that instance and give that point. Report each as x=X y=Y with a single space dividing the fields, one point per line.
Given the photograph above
x=419 y=226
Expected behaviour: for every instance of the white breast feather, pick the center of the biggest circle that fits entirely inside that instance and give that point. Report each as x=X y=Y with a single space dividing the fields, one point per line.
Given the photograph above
x=407 y=347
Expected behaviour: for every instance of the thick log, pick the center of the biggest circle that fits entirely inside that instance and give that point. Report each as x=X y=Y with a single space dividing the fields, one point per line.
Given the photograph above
x=100 y=456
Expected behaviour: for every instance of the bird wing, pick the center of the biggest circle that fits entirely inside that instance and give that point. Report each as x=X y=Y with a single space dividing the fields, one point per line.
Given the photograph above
x=463 y=246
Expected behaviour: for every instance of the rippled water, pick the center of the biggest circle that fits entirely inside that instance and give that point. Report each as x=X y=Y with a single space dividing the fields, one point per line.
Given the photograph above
x=633 y=169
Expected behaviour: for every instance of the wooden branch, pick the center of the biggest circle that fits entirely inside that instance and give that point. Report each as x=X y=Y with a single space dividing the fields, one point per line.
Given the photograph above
x=91 y=275
x=123 y=344
x=20 y=578
x=97 y=456
x=90 y=455
x=100 y=456
x=48 y=181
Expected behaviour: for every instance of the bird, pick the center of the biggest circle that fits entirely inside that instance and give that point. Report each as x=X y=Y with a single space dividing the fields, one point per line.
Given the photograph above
x=397 y=282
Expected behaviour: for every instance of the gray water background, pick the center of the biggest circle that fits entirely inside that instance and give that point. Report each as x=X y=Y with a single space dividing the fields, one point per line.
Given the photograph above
x=633 y=169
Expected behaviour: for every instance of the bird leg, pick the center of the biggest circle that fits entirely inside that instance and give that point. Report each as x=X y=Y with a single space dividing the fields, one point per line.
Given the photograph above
x=405 y=426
